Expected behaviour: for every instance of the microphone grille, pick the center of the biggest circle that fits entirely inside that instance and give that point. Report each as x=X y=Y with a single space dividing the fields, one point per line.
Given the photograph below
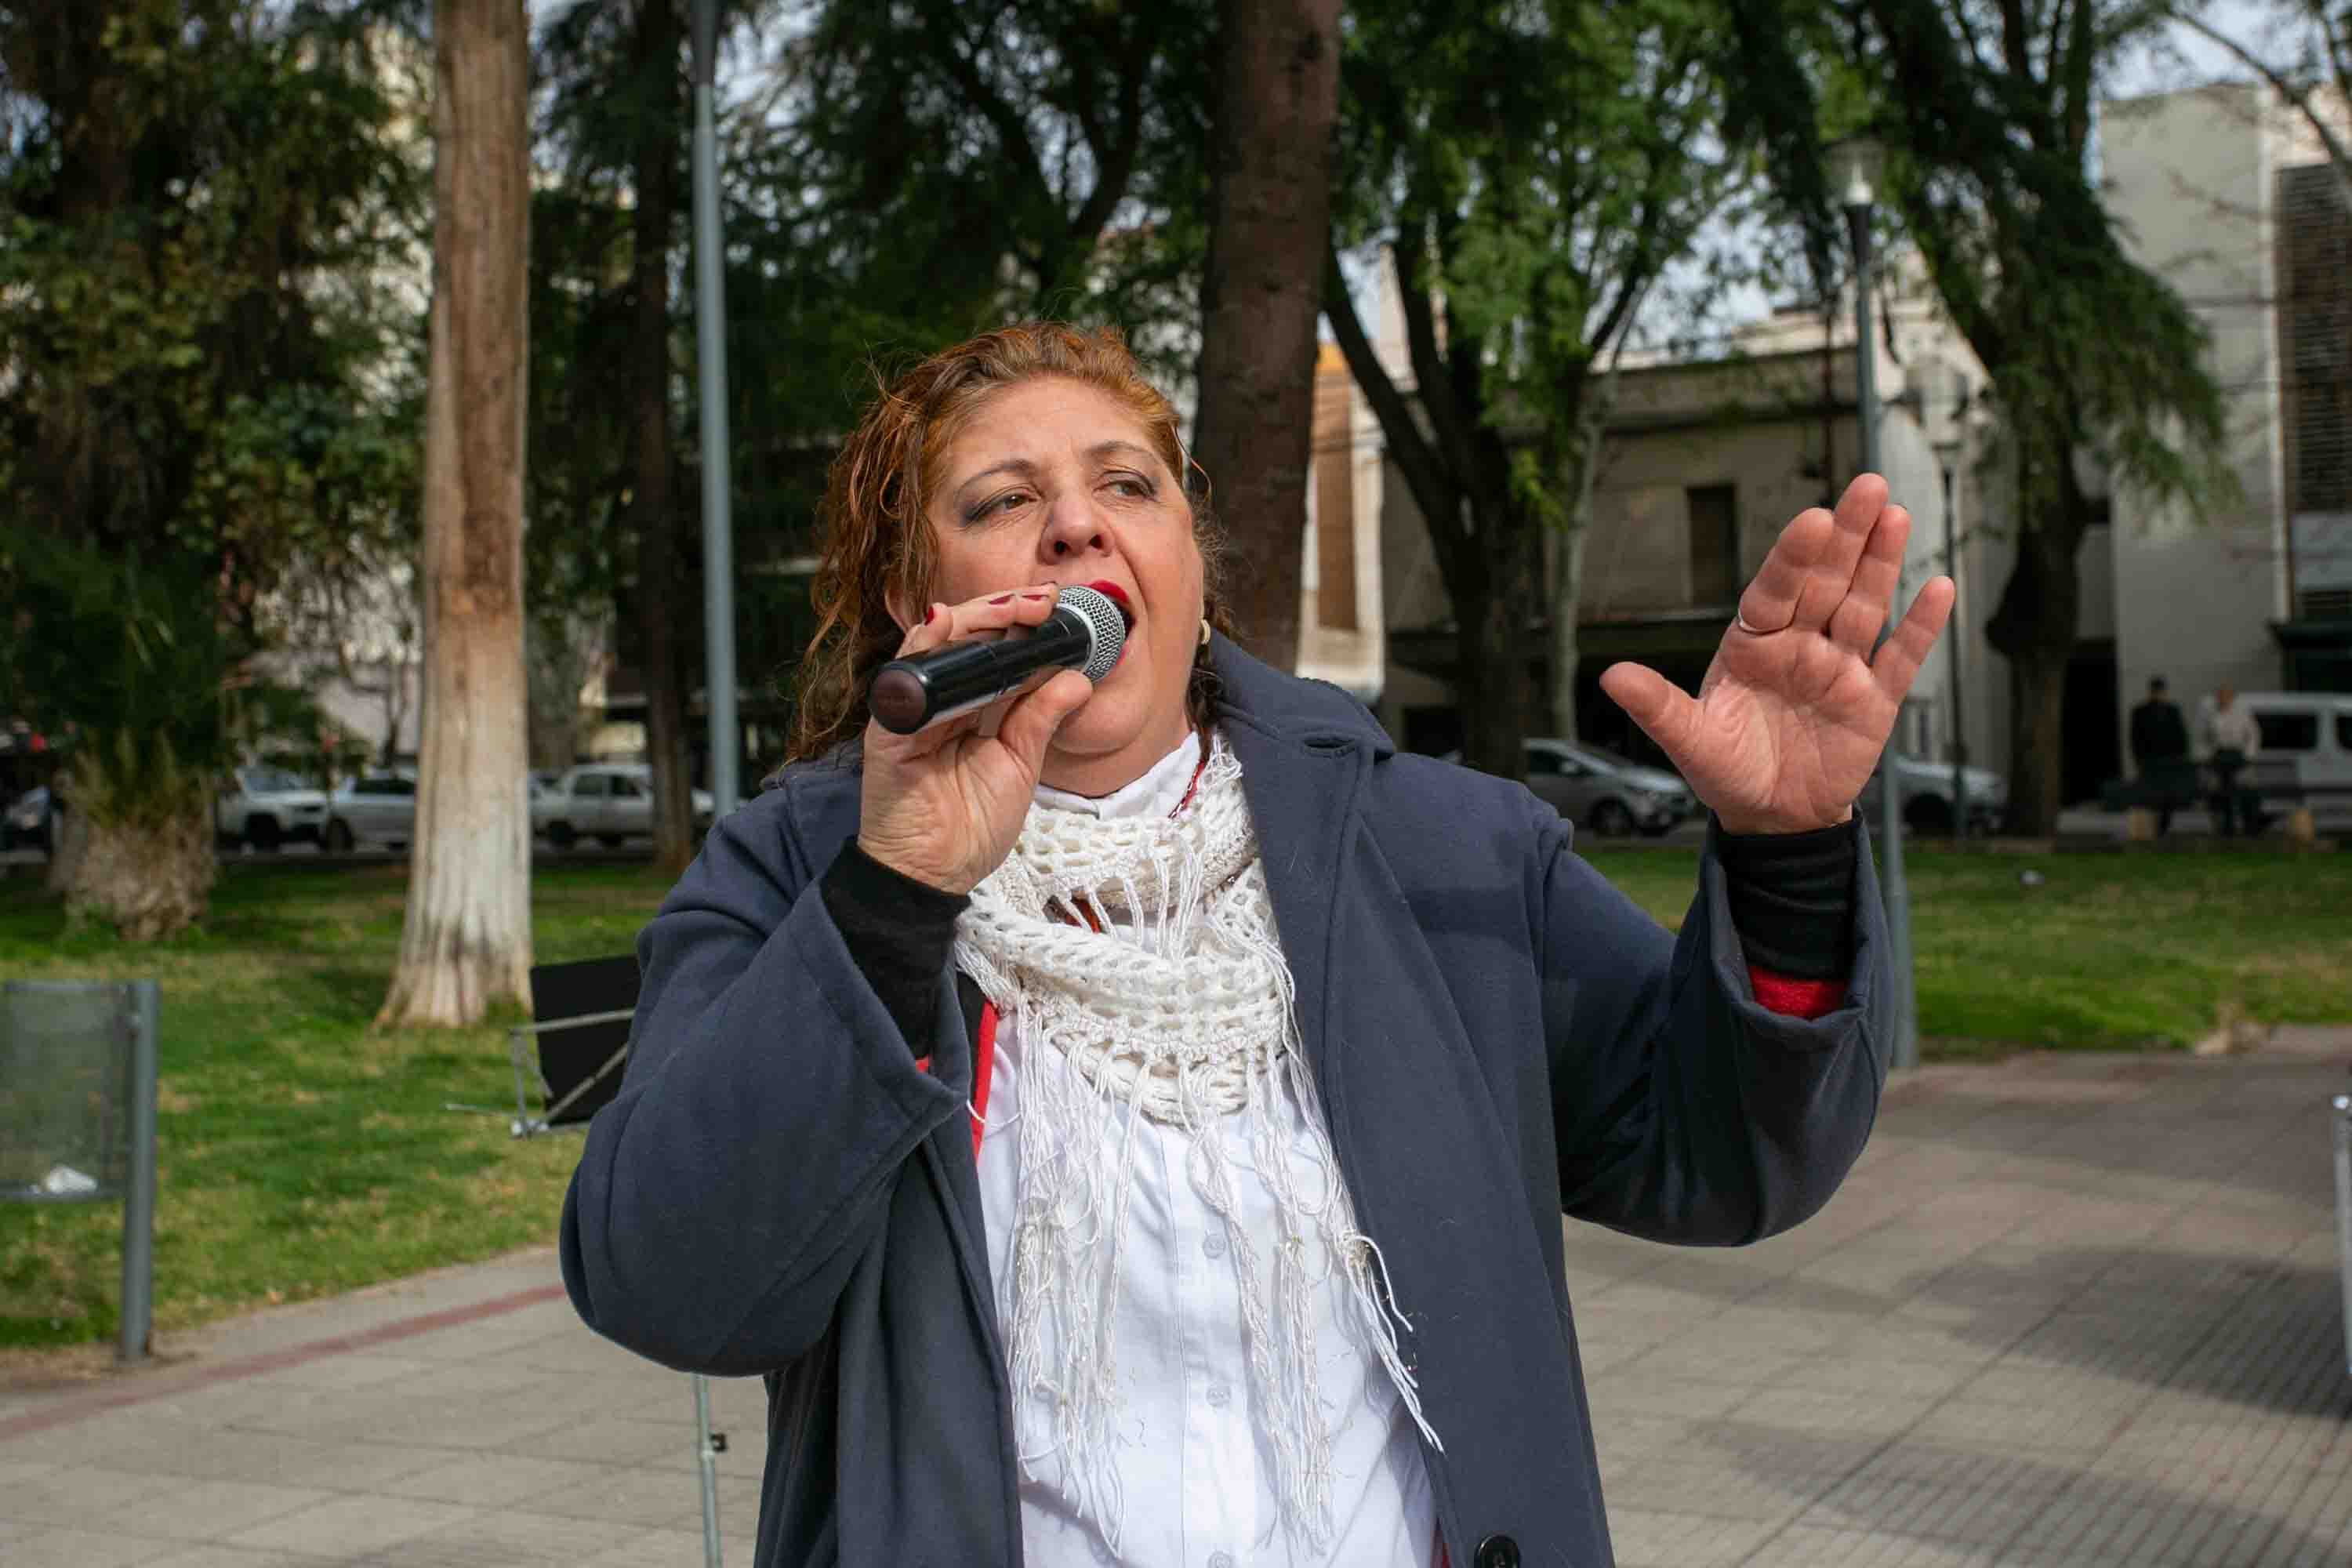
x=1102 y=617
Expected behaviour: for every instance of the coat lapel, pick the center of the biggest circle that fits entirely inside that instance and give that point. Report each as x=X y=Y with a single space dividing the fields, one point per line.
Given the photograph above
x=1301 y=775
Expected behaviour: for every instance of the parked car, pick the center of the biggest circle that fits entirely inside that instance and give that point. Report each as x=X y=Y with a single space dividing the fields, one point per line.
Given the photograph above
x=263 y=808
x=376 y=809
x=379 y=810
x=2306 y=746
x=30 y=823
x=1930 y=798
x=1602 y=792
x=607 y=801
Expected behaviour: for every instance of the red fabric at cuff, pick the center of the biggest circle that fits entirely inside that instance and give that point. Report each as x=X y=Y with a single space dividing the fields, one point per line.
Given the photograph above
x=1794 y=998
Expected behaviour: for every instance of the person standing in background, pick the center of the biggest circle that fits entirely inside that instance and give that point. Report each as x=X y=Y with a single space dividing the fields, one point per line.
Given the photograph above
x=2232 y=740
x=2160 y=747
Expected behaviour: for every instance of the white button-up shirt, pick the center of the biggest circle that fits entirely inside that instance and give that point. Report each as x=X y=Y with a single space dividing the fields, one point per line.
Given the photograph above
x=1195 y=1469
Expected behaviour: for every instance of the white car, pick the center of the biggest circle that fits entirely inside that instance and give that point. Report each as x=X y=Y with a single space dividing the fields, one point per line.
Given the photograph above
x=263 y=807
x=378 y=810
x=374 y=810
x=608 y=801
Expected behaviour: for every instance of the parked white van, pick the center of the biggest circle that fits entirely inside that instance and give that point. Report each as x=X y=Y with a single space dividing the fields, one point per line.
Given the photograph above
x=2307 y=744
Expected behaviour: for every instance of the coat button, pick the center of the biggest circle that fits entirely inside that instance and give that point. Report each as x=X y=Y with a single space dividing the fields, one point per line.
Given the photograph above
x=1498 y=1551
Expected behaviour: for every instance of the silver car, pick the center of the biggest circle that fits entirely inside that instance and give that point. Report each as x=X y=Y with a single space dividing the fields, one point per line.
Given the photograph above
x=1603 y=793
x=1930 y=798
x=610 y=801
x=373 y=810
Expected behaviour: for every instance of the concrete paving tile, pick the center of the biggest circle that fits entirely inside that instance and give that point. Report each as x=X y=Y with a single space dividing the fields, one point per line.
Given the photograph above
x=216 y=1556
x=1980 y=1497
x=1647 y=1538
x=665 y=1549
x=489 y=1480
x=647 y=1499
x=352 y=1526
x=1803 y=1546
x=1624 y=1393
x=354 y=1369
x=1967 y=1422
x=212 y=1510
x=77 y=1497
x=1799 y=1409
x=15 y=1472
x=606 y=1440
x=1918 y=1379
x=509 y=1535
x=83 y=1549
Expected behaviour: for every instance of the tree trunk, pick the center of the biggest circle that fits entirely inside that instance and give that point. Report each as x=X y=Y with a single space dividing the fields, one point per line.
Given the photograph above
x=2033 y=627
x=146 y=876
x=466 y=940
x=1277 y=96
x=1567 y=593
x=660 y=613
x=1492 y=685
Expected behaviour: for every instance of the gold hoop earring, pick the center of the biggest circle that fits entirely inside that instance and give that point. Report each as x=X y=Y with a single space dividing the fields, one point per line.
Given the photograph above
x=1204 y=631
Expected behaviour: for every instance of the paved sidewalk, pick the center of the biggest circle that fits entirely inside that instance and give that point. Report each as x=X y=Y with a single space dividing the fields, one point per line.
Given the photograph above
x=2070 y=1310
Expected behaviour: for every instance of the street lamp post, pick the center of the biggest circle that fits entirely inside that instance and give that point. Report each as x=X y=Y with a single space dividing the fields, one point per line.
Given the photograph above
x=1853 y=169
x=717 y=563
x=1947 y=457
x=710 y=354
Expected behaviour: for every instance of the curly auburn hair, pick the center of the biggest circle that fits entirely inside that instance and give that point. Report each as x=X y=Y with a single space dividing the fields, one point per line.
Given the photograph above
x=875 y=541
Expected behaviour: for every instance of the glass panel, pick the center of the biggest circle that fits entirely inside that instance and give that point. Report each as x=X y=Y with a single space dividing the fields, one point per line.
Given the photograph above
x=2289 y=732
x=590 y=786
x=1713 y=545
x=626 y=787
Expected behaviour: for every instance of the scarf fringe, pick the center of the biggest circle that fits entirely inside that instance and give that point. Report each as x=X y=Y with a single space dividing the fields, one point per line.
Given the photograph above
x=1183 y=1014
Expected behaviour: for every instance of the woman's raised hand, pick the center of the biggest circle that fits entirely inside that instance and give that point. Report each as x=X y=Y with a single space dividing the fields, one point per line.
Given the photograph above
x=944 y=804
x=1796 y=706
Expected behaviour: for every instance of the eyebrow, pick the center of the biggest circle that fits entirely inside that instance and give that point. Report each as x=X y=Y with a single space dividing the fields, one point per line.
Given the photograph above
x=1022 y=466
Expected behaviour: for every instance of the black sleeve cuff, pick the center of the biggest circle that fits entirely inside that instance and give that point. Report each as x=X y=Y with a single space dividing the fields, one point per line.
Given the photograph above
x=898 y=933
x=1792 y=898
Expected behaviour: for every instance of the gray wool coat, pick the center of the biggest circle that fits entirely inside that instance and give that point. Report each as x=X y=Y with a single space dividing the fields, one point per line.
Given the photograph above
x=1499 y=1038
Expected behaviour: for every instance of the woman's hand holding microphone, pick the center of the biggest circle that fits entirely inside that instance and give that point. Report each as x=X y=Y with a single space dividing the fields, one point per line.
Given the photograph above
x=944 y=804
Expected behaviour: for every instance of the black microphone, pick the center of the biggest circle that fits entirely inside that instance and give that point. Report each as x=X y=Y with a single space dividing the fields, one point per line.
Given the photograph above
x=1084 y=633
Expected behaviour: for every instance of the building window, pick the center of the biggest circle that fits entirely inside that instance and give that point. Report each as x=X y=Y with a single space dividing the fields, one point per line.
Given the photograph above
x=1713 y=513
x=2315 y=257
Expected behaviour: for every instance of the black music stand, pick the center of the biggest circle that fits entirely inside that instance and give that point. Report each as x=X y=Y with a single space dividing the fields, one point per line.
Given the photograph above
x=580 y=1018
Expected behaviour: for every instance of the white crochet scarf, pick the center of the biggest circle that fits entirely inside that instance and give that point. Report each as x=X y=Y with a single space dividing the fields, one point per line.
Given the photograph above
x=1179 y=1010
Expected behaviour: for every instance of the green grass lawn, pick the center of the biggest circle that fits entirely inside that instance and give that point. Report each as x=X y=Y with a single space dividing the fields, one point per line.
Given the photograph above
x=304 y=1153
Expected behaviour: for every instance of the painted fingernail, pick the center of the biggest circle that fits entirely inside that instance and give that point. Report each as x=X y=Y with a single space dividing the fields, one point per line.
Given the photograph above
x=931 y=613
x=1044 y=595
x=1002 y=599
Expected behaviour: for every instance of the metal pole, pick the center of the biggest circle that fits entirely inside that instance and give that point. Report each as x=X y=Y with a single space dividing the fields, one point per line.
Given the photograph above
x=138 y=1203
x=718 y=554
x=1903 y=1048
x=706 y=1457
x=2344 y=1212
x=1952 y=669
x=710 y=343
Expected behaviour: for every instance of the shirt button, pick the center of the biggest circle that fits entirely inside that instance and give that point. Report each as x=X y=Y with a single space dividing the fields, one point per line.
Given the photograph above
x=1219 y=1393
x=1220 y=1560
x=1214 y=1245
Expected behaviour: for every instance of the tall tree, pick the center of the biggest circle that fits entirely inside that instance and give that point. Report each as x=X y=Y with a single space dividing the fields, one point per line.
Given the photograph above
x=1991 y=113
x=466 y=940
x=1277 y=82
x=966 y=163
x=1533 y=170
x=663 y=620
x=204 y=410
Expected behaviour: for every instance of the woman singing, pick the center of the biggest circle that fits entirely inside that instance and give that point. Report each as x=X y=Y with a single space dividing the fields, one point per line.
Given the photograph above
x=1129 y=1123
